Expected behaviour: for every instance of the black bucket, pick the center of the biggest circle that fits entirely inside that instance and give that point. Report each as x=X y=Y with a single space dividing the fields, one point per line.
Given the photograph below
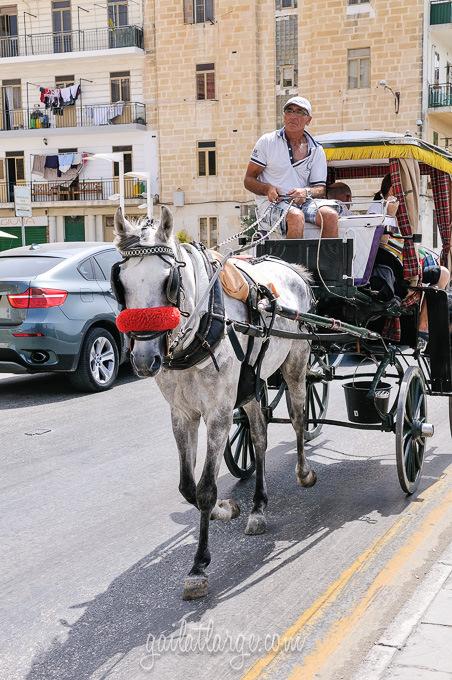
x=360 y=408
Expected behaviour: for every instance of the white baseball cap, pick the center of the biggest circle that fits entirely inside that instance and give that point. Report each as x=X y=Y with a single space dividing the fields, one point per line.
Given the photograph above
x=301 y=102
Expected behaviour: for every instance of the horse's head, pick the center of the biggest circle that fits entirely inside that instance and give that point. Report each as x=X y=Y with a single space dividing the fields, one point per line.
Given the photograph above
x=150 y=282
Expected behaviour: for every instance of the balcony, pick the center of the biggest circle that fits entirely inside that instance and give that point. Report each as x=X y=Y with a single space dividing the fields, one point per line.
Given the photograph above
x=440 y=12
x=440 y=95
x=86 y=116
x=73 y=41
x=79 y=190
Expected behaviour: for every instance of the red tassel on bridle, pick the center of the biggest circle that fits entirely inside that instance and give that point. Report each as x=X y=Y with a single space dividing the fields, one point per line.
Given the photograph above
x=155 y=319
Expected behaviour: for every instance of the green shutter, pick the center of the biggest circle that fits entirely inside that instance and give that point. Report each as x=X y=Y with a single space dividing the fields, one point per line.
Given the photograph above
x=7 y=243
x=74 y=228
x=35 y=235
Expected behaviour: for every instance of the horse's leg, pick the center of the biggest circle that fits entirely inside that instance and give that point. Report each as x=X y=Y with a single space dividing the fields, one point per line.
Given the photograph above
x=218 y=426
x=294 y=373
x=258 y=429
x=185 y=431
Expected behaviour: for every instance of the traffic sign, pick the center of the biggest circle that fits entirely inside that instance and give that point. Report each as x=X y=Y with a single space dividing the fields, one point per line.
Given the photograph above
x=22 y=201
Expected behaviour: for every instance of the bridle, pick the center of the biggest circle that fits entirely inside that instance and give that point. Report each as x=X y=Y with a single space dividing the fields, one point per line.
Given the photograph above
x=131 y=247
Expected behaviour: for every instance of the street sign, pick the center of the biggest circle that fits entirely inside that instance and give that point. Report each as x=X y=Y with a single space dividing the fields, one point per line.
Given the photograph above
x=22 y=201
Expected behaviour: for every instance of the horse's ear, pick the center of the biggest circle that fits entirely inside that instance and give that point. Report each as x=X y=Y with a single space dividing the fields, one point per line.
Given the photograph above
x=166 y=224
x=121 y=225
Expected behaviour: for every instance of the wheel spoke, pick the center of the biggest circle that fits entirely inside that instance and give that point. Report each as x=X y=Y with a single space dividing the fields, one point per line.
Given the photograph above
x=419 y=406
x=245 y=450
x=318 y=399
x=108 y=355
x=236 y=433
x=312 y=411
x=240 y=445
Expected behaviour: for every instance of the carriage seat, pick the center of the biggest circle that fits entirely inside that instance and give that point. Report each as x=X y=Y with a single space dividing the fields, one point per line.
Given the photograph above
x=366 y=232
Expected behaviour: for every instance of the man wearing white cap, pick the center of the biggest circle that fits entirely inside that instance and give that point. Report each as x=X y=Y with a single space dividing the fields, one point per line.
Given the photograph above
x=290 y=163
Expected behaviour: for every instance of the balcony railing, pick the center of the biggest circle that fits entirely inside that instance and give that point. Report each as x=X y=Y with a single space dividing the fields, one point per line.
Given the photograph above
x=89 y=115
x=440 y=12
x=71 y=41
x=78 y=190
x=440 y=95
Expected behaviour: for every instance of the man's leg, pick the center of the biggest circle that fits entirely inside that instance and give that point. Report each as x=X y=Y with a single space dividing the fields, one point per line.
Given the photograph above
x=330 y=219
x=295 y=223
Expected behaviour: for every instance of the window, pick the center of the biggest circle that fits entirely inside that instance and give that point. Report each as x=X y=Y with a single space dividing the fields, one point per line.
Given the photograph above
x=359 y=68
x=106 y=259
x=120 y=86
x=208 y=231
x=127 y=152
x=436 y=69
x=435 y=138
x=207 y=159
x=64 y=81
x=285 y=4
x=287 y=77
x=198 y=11
x=358 y=2
x=117 y=13
x=205 y=81
x=62 y=26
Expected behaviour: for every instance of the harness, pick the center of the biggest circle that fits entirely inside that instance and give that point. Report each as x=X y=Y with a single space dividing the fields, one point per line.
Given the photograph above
x=212 y=322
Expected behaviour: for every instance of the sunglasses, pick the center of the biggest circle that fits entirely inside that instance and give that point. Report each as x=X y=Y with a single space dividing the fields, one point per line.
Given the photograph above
x=297 y=112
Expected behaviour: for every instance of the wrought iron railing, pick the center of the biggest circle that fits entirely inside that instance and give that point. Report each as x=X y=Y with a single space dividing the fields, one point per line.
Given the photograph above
x=89 y=115
x=440 y=12
x=440 y=95
x=77 y=190
x=71 y=41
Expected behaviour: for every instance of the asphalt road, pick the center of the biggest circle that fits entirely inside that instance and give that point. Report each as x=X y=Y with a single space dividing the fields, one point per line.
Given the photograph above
x=96 y=541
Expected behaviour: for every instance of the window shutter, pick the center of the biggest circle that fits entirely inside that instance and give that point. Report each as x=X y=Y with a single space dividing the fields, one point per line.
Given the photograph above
x=188 y=11
x=2 y=170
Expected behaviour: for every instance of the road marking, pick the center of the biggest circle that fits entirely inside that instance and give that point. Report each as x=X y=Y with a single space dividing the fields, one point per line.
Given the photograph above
x=330 y=594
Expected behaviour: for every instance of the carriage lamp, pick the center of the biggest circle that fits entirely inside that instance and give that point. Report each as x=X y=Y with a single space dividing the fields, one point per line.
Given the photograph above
x=396 y=95
x=155 y=319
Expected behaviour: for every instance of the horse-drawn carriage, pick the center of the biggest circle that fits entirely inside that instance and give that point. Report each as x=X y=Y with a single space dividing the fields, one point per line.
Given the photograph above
x=196 y=340
x=371 y=329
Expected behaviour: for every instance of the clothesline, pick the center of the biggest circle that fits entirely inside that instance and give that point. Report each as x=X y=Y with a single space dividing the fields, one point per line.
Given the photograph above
x=57 y=98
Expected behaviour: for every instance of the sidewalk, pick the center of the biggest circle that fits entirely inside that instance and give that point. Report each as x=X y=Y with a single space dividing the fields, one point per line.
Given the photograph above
x=418 y=643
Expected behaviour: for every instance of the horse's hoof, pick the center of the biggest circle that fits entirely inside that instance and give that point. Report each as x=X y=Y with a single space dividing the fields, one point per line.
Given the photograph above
x=225 y=510
x=256 y=525
x=195 y=587
x=308 y=480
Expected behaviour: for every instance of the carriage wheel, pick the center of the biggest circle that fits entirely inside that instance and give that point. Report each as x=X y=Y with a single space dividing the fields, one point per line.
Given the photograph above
x=317 y=395
x=239 y=452
x=411 y=429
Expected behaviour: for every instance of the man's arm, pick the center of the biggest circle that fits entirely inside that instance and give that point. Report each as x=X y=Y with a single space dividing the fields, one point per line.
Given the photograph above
x=253 y=184
x=299 y=196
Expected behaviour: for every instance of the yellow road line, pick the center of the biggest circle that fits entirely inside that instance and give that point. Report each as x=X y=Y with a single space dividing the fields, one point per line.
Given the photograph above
x=340 y=629
x=334 y=590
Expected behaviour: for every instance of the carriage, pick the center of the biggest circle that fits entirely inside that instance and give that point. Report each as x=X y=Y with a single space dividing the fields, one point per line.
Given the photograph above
x=350 y=324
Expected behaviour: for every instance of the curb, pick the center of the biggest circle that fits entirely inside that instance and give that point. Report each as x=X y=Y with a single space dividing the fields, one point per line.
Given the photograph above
x=397 y=633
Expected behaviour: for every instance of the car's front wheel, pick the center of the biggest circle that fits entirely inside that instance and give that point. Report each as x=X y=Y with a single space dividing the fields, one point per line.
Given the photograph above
x=99 y=362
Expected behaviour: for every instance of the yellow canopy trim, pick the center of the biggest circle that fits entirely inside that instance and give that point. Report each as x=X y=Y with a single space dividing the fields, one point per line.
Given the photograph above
x=356 y=153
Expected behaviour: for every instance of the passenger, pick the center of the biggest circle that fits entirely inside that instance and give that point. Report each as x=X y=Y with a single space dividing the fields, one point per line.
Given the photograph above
x=289 y=162
x=342 y=194
x=432 y=273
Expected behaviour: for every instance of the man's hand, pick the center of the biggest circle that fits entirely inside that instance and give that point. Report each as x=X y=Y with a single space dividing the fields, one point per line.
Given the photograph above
x=298 y=196
x=272 y=194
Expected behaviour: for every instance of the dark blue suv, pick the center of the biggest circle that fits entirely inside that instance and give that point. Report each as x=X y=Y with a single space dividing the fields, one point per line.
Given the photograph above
x=57 y=313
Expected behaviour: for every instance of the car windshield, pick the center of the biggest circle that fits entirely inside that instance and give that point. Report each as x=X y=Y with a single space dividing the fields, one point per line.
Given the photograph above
x=26 y=266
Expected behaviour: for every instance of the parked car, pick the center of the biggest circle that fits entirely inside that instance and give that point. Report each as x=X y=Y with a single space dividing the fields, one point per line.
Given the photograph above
x=57 y=313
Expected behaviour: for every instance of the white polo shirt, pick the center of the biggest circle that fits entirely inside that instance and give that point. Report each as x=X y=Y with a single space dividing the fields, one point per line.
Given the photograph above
x=274 y=154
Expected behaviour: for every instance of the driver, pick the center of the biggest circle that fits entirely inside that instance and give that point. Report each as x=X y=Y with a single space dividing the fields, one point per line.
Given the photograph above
x=289 y=163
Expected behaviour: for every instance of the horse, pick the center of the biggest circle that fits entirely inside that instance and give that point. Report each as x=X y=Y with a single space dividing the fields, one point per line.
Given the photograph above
x=159 y=273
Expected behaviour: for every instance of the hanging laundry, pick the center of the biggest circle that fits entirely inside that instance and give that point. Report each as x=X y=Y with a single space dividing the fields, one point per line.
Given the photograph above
x=38 y=165
x=65 y=160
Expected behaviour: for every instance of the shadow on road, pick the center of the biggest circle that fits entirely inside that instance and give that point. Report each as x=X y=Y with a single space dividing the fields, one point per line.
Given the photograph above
x=47 y=388
x=146 y=599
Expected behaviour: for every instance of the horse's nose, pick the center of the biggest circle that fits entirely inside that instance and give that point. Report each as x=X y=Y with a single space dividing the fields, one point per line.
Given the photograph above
x=155 y=365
